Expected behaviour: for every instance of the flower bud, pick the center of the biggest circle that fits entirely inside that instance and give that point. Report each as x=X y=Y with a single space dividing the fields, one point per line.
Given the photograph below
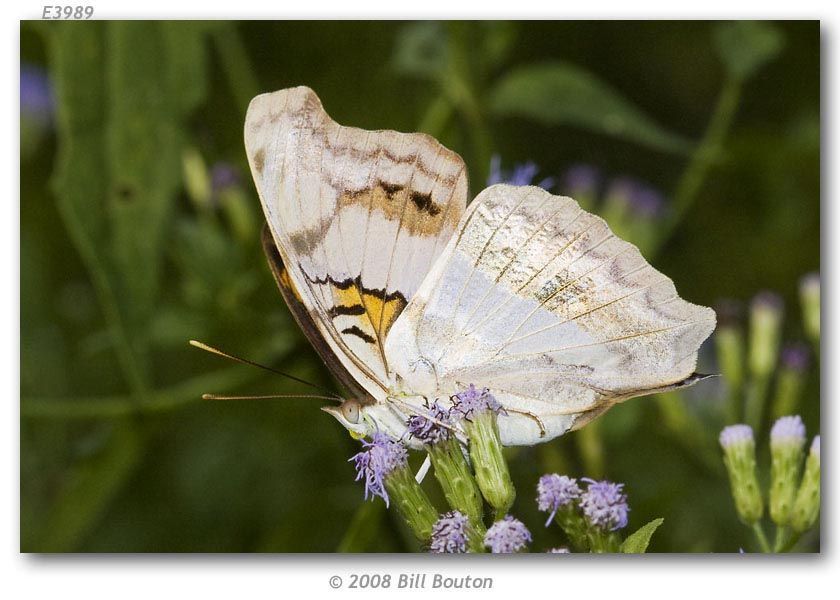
x=739 y=457
x=477 y=410
x=383 y=464
x=765 y=328
x=787 y=440
x=806 y=507
x=809 y=297
x=790 y=380
x=196 y=178
x=729 y=343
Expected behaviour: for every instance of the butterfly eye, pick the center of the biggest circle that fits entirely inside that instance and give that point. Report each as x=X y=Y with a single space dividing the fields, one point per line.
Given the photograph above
x=350 y=410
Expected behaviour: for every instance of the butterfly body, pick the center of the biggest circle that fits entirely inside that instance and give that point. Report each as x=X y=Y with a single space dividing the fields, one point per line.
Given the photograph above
x=410 y=296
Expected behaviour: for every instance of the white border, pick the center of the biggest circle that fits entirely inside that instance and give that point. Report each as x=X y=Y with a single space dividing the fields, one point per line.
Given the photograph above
x=211 y=577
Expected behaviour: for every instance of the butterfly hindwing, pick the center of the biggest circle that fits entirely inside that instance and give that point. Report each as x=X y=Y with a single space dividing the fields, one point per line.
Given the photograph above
x=539 y=301
x=358 y=219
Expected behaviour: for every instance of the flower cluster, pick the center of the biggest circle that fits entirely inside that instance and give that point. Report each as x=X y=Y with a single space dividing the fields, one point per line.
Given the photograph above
x=589 y=513
x=605 y=504
x=507 y=536
x=793 y=500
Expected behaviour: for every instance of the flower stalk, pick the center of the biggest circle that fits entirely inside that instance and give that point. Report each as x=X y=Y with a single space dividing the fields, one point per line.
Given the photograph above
x=477 y=410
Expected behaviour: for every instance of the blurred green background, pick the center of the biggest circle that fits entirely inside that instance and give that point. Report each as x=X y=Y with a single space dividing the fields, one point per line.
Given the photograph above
x=140 y=230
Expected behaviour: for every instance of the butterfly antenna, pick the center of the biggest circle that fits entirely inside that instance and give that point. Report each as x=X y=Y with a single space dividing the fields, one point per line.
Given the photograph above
x=245 y=361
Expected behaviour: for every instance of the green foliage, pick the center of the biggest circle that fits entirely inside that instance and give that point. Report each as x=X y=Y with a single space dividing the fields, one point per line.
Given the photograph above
x=746 y=46
x=638 y=541
x=559 y=93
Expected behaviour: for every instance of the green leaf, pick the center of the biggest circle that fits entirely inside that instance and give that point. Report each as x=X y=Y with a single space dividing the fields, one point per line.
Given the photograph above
x=559 y=93
x=637 y=542
x=746 y=46
x=149 y=99
x=89 y=488
x=124 y=91
x=421 y=51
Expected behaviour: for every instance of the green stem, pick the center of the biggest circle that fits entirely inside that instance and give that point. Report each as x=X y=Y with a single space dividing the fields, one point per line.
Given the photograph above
x=791 y=542
x=781 y=534
x=236 y=65
x=591 y=448
x=459 y=85
x=436 y=116
x=107 y=300
x=762 y=539
x=756 y=397
x=705 y=156
x=185 y=392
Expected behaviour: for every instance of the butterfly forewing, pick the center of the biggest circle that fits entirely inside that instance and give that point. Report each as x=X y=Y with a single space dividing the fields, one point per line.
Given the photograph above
x=358 y=219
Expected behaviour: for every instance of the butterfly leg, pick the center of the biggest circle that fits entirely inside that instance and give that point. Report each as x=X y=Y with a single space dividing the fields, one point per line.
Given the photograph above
x=401 y=407
x=531 y=415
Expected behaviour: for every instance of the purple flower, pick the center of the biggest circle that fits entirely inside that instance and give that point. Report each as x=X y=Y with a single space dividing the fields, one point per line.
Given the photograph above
x=735 y=434
x=224 y=175
x=36 y=94
x=815 y=446
x=472 y=401
x=522 y=174
x=605 y=504
x=581 y=180
x=507 y=536
x=433 y=428
x=640 y=199
x=449 y=534
x=378 y=458
x=788 y=430
x=555 y=491
x=795 y=357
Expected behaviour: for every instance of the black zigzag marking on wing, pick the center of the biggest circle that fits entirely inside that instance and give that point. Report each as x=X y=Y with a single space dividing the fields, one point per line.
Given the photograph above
x=346 y=284
x=354 y=309
x=354 y=330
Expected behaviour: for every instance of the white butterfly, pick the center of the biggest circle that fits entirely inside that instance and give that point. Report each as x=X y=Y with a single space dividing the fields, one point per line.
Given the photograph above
x=410 y=296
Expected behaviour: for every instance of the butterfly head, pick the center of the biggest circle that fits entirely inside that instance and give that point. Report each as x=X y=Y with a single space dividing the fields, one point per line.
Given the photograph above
x=351 y=414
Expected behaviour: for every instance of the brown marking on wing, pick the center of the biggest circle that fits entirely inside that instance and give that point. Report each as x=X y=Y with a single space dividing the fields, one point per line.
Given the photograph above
x=259 y=160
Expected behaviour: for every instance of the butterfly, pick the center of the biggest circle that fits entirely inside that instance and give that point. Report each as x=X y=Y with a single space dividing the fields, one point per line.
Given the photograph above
x=409 y=295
